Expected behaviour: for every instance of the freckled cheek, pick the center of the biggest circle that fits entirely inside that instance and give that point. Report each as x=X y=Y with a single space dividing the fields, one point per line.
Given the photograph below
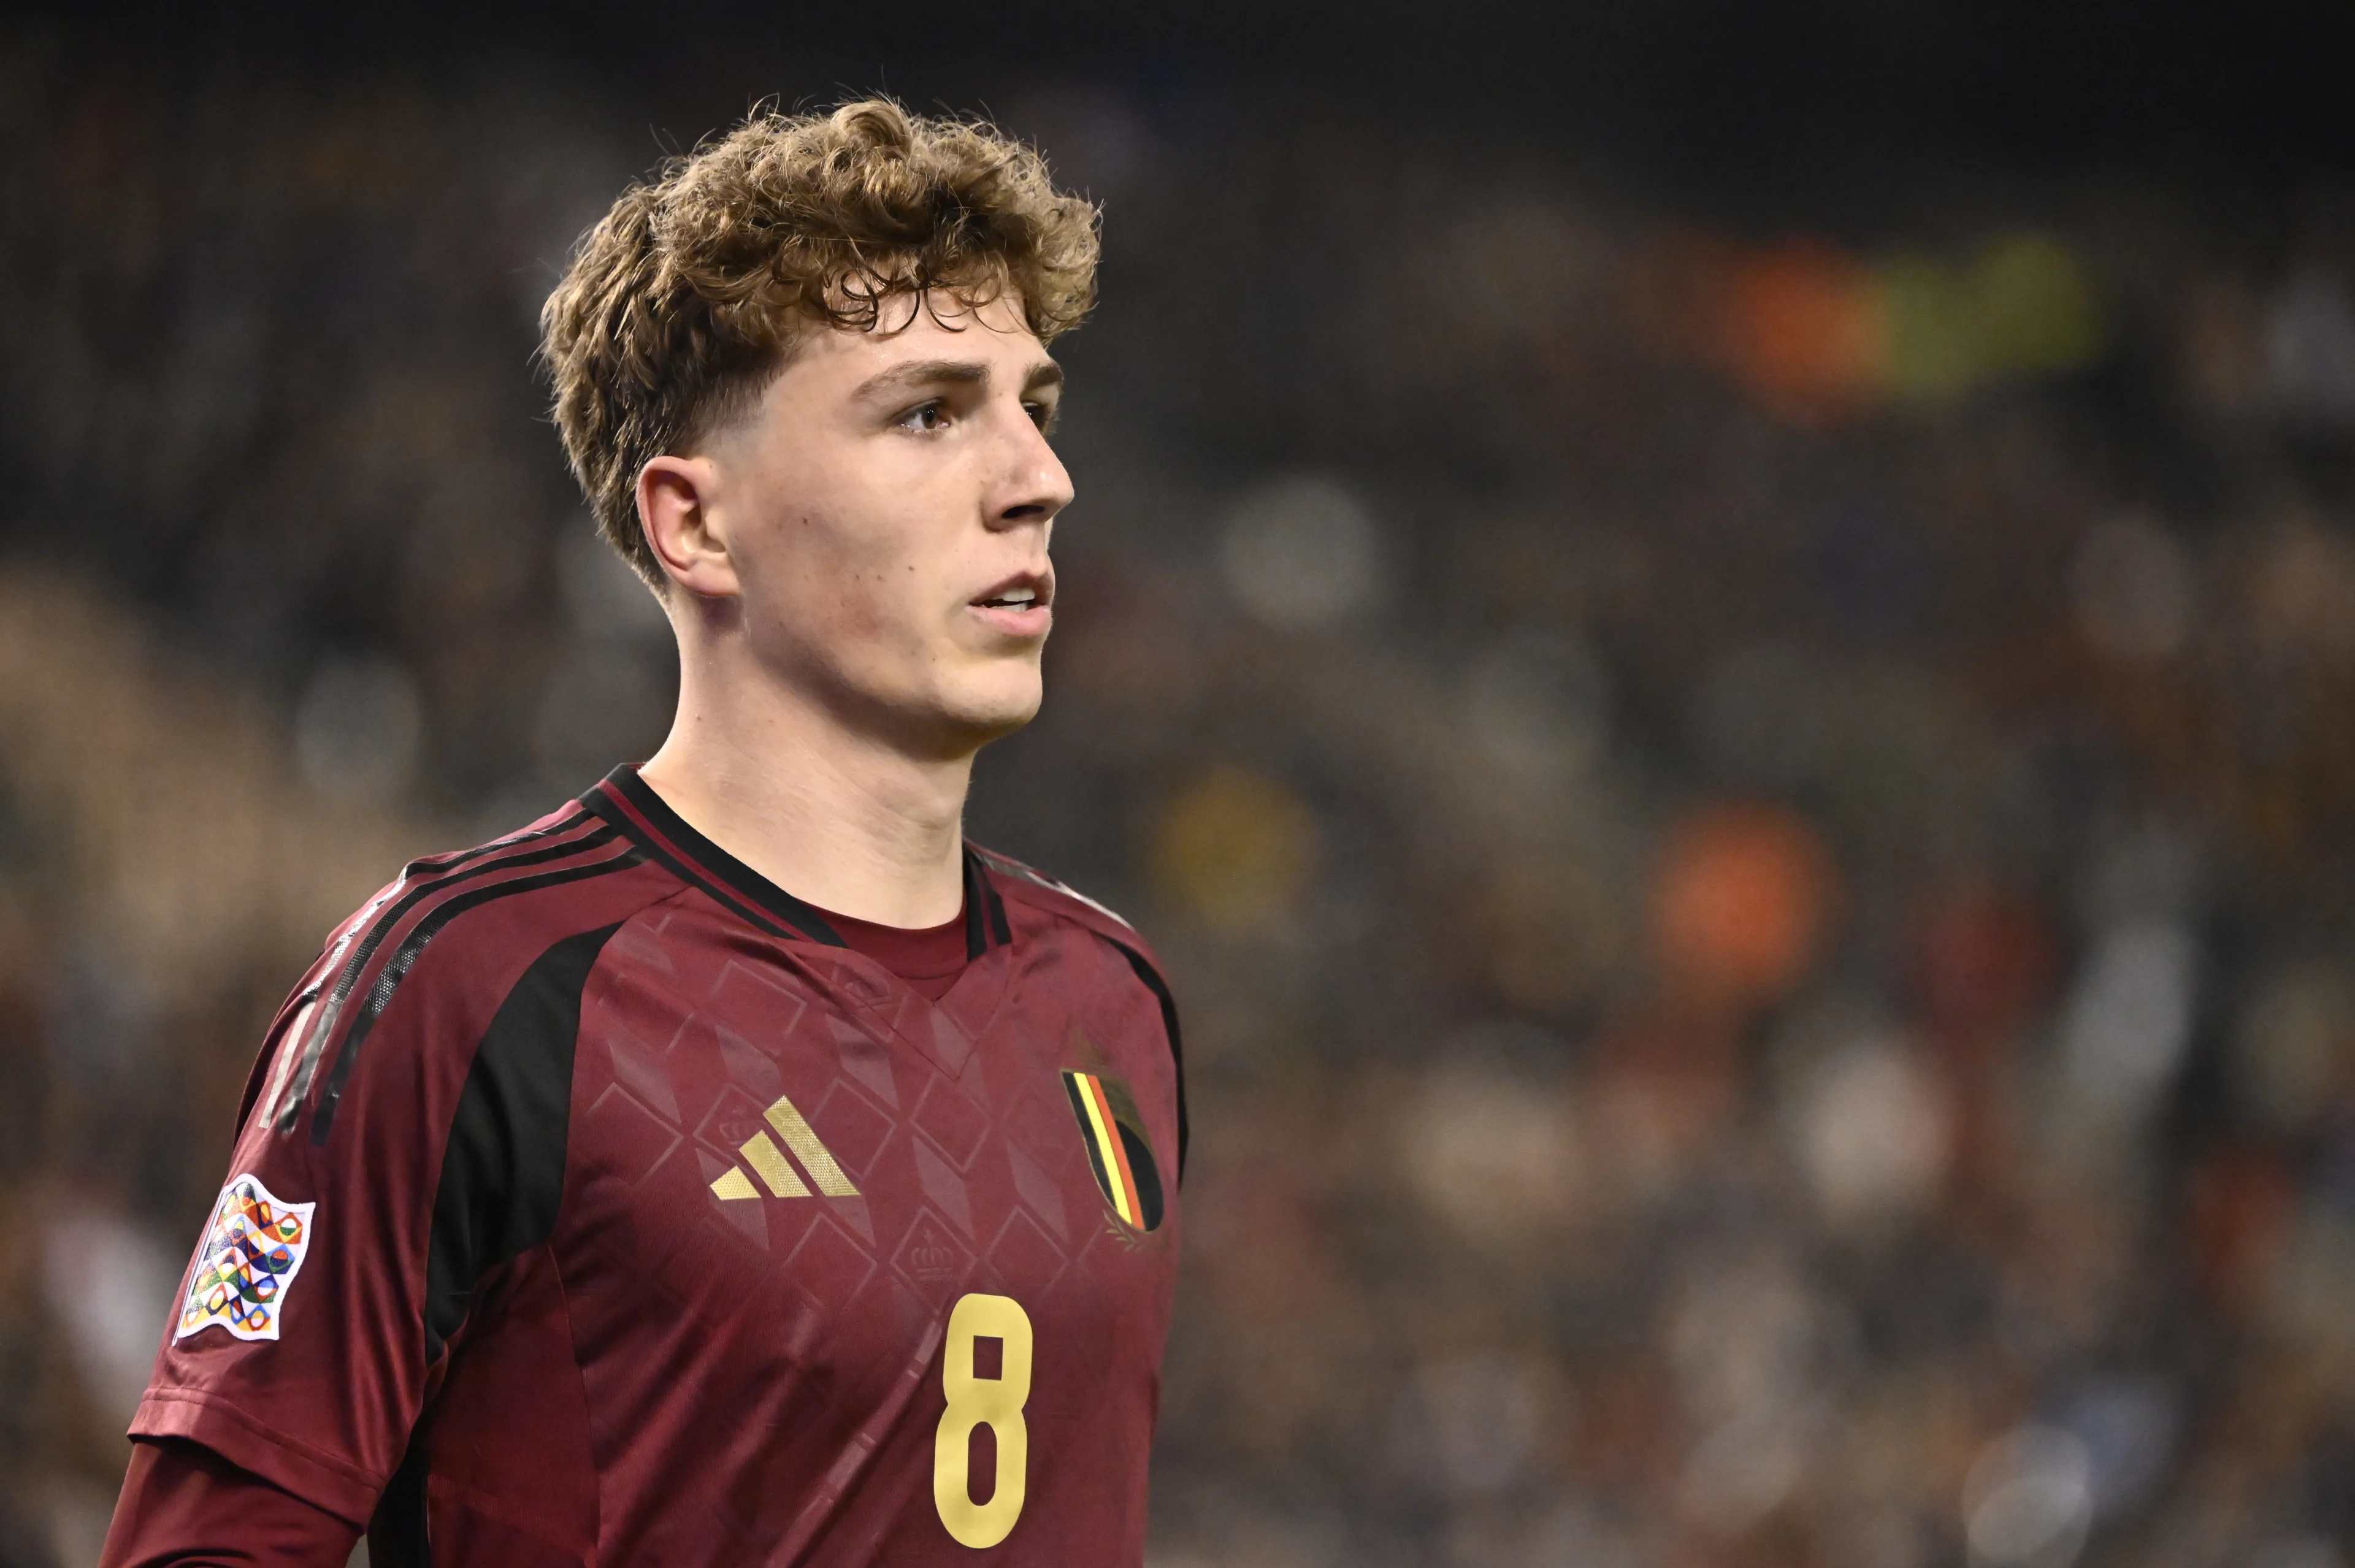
x=855 y=578
x=826 y=576
x=884 y=605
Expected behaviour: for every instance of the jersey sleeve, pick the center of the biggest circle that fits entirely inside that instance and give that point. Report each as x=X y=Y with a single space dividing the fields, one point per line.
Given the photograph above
x=405 y=1133
x=183 y=1506
x=295 y=1349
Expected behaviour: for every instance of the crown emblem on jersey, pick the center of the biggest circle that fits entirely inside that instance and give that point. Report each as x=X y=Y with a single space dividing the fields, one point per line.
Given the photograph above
x=1118 y=1155
x=254 y=1247
x=764 y=1156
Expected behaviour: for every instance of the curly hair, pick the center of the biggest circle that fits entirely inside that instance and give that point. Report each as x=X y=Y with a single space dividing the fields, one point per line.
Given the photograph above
x=687 y=298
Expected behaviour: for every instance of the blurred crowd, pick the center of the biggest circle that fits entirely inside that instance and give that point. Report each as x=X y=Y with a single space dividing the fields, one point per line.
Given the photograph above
x=1752 y=804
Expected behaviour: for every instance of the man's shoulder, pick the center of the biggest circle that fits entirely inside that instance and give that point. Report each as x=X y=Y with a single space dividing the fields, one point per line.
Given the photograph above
x=445 y=943
x=511 y=883
x=1036 y=890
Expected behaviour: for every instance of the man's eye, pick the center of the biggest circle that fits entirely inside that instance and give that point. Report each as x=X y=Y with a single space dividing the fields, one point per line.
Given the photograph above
x=1041 y=414
x=924 y=416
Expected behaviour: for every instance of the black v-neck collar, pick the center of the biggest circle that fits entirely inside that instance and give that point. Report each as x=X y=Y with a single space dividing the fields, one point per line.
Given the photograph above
x=630 y=803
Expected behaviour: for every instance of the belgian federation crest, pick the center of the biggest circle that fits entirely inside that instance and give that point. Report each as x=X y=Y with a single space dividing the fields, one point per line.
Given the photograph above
x=254 y=1247
x=1118 y=1154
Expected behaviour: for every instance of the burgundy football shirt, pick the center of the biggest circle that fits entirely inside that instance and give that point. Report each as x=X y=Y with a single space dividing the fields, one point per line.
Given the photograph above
x=594 y=1203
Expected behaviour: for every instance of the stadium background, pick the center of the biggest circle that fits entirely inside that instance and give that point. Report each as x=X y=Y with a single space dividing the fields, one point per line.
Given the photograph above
x=1717 y=642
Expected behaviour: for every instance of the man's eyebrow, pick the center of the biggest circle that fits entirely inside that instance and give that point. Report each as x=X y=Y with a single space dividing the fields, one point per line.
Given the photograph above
x=915 y=373
x=926 y=373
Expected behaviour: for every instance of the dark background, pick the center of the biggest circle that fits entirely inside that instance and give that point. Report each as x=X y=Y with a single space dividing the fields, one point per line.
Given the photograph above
x=1736 y=100
x=1716 y=640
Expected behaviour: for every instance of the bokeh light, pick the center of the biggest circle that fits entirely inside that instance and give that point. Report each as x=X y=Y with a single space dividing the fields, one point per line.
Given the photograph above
x=1234 y=849
x=1742 y=896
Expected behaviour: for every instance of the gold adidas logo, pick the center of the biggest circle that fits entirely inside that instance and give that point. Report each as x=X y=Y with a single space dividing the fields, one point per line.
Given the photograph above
x=767 y=1158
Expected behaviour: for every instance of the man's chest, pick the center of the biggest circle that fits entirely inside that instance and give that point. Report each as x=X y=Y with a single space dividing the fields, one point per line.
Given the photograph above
x=788 y=1175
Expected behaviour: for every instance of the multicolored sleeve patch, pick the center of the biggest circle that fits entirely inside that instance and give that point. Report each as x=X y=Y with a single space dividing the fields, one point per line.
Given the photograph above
x=1118 y=1154
x=254 y=1247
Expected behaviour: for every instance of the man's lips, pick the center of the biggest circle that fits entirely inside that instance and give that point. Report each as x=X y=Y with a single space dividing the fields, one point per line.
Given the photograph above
x=1019 y=604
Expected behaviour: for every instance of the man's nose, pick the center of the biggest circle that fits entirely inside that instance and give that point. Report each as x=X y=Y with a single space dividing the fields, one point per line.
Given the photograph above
x=1037 y=485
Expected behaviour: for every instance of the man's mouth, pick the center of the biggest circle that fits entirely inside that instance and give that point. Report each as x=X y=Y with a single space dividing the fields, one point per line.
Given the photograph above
x=1018 y=595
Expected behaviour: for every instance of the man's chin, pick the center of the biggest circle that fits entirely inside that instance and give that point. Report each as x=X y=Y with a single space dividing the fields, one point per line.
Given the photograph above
x=974 y=717
x=998 y=720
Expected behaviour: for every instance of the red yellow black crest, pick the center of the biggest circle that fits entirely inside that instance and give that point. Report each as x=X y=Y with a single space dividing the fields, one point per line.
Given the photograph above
x=1113 y=1136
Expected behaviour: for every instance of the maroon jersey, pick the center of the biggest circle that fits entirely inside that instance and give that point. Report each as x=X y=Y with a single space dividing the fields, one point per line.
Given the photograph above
x=592 y=1203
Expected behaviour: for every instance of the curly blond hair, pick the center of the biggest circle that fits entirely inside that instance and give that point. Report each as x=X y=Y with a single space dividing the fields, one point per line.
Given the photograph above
x=683 y=302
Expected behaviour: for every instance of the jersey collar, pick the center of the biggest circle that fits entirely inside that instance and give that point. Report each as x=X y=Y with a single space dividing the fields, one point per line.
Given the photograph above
x=628 y=802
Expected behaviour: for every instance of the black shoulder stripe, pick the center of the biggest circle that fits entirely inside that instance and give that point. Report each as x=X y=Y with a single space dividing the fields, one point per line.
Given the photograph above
x=435 y=865
x=1160 y=989
x=502 y=1168
x=450 y=875
x=379 y=995
x=332 y=1001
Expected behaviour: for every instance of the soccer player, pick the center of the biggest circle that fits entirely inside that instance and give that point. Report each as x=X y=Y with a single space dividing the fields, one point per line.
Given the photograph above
x=735 y=1164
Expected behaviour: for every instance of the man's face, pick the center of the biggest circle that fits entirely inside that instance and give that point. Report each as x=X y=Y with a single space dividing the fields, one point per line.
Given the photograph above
x=886 y=510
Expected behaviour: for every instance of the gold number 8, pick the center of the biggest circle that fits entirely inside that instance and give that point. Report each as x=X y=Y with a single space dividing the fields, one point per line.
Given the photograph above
x=994 y=1402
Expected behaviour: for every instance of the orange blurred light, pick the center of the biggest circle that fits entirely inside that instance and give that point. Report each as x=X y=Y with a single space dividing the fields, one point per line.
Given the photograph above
x=1803 y=330
x=1741 y=901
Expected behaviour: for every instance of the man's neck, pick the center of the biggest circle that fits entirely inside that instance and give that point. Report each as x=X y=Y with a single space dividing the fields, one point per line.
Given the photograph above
x=836 y=818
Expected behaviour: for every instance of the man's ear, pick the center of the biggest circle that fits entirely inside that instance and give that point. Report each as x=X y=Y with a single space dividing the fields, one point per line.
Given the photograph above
x=678 y=508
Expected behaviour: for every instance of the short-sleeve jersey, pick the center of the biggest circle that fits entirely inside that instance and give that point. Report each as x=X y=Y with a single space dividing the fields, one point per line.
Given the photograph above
x=592 y=1203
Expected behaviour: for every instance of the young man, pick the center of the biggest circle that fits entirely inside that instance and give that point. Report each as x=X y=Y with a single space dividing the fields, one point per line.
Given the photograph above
x=734 y=1165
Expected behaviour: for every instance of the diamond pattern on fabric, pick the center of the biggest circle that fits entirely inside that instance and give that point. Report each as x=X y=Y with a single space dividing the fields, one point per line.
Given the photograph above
x=954 y=1123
